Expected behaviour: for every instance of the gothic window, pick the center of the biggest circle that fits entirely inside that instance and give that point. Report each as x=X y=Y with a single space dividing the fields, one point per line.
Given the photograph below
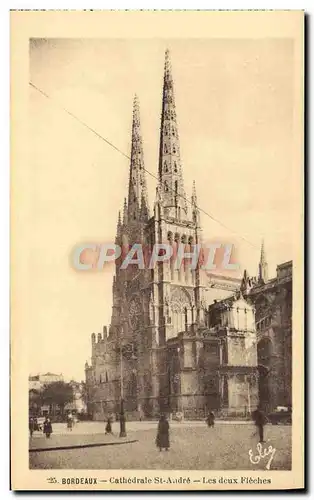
x=172 y=114
x=165 y=167
x=176 y=188
x=178 y=318
x=174 y=149
x=166 y=130
x=165 y=148
x=166 y=186
x=175 y=167
x=173 y=131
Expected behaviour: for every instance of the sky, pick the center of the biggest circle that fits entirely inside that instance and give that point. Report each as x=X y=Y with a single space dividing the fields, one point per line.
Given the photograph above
x=235 y=105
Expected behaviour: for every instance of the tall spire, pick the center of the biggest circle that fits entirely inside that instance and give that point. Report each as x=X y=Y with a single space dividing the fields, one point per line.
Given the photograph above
x=119 y=225
x=125 y=212
x=263 y=266
x=170 y=169
x=137 y=179
x=194 y=196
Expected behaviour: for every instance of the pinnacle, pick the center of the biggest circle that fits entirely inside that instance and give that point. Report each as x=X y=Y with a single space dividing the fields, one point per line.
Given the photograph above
x=125 y=212
x=136 y=103
x=167 y=60
x=194 y=197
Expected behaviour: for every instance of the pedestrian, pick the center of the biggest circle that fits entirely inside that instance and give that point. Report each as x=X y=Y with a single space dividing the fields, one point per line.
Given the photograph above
x=162 y=439
x=47 y=427
x=108 y=426
x=210 y=419
x=31 y=426
x=260 y=420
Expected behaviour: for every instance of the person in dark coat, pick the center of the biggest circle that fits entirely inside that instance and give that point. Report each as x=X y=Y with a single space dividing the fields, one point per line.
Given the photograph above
x=108 y=426
x=210 y=419
x=47 y=427
x=162 y=439
x=31 y=426
x=70 y=421
x=260 y=420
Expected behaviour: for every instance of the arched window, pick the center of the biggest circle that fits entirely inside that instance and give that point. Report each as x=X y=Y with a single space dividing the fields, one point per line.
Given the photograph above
x=176 y=188
x=166 y=186
x=175 y=167
x=165 y=148
x=174 y=150
x=173 y=131
x=165 y=167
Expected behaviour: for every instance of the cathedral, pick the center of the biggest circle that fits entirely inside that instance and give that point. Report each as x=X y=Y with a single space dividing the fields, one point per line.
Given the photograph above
x=180 y=340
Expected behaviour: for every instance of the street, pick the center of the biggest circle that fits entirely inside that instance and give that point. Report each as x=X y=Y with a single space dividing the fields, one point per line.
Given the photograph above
x=193 y=446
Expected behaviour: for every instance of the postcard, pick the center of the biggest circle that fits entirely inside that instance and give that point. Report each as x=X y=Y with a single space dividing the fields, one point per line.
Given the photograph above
x=157 y=286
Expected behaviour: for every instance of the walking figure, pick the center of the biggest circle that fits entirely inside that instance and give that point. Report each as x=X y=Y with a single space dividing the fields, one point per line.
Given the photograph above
x=108 y=426
x=70 y=421
x=47 y=427
x=162 y=439
x=210 y=419
x=31 y=426
x=260 y=420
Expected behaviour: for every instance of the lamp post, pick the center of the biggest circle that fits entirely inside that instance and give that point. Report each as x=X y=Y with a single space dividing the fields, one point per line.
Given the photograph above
x=122 y=415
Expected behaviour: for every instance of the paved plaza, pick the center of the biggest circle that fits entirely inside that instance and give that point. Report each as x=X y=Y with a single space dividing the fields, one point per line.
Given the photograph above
x=193 y=446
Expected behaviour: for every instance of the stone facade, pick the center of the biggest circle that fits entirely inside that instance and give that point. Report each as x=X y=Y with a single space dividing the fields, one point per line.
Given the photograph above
x=272 y=300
